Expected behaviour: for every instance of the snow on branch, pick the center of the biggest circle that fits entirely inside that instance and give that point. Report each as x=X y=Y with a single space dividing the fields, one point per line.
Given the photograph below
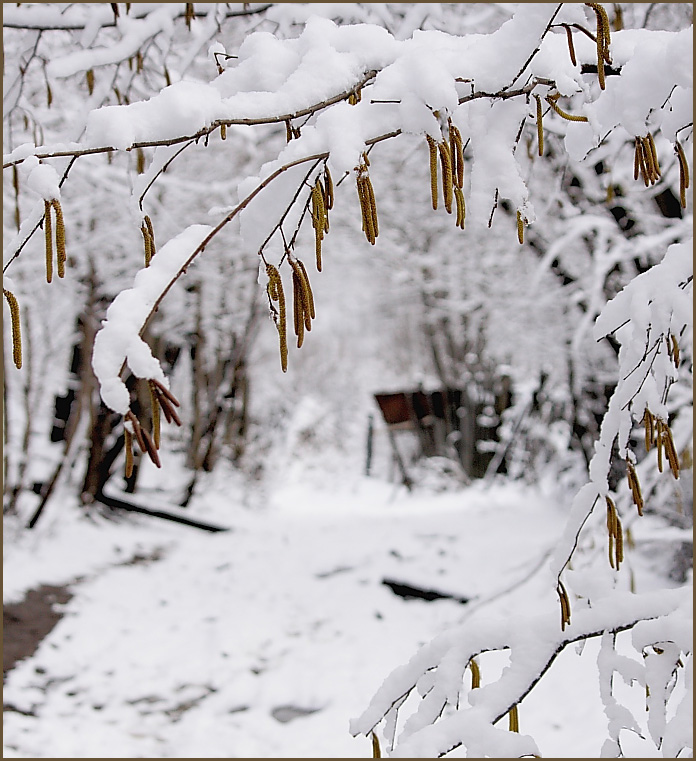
x=649 y=318
x=438 y=673
x=119 y=341
x=76 y=17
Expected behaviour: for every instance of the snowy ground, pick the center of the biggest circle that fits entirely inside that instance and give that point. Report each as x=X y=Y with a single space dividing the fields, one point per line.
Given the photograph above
x=265 y=640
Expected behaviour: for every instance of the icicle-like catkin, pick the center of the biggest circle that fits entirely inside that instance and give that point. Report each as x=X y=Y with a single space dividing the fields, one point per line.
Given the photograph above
x=61 y=257
x=432 y=148
x=48 y=234
x=16 y=328
x=539 y=124
x=275 y=292
x=89 y=76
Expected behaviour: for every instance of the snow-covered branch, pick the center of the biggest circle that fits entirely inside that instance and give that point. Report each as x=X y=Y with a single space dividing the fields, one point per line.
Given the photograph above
x=438 y=670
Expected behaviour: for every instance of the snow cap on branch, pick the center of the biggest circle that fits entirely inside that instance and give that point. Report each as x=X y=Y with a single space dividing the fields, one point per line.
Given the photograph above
x=119 y=339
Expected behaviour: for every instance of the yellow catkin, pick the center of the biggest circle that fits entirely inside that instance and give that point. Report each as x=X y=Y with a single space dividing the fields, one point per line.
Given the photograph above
x=565 y=605
x=61 y=257
x=648 y=423
x=475 y=674
x=461 y=207
x=16 y=328
x=648 y=158
x=318 y=210
x=636 y=161
x=128 y=446
x=151 y=231
x=551 y=100
x=603 y=40
x=376 y=751
x=318 y=220
x=432 y=147
x=328 y=188
x=447 y=177
x=514 y=721
x=89 y=76
x=520 y=228
x=223 y=132
x=147 y=243
x=364 y=209
x=317 y=248
x=156 y=417
x=643 y=169
x=459 y=153
x=368 y=206
x=48 y=234
x=634 y=485
x=275 y=291
x=298 y=309
x=15 y=186
x=653 y=154
x=308 y=289
x=675 y=350
x=683 y=173
x=571 y=46
x=671 y=452
x=619 y=543
x=611 y=528
x=140 y=161
x=539 y=124
x=373 y=205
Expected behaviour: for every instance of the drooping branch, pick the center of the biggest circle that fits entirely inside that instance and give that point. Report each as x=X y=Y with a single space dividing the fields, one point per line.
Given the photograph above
x=196 y=136
x=446 y=658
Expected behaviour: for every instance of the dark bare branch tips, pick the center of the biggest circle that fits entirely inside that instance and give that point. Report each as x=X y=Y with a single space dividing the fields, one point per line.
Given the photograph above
x=162 y=400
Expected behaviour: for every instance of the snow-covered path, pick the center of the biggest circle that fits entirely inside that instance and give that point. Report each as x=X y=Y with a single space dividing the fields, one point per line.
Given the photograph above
x=264 y=641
